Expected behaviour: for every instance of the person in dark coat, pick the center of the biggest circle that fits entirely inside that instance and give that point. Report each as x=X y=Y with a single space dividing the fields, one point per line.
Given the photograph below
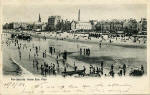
x=54 y=71
x=84 y=69
x=37 y=63
x=112 y=67
x=75 y=67
x=42 y=70
x=102 y=65
x=91 y=69
x=124 y=69
x=120 y=71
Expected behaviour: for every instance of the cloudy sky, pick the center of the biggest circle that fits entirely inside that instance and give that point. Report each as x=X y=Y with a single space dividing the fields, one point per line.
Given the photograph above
x=29 y=12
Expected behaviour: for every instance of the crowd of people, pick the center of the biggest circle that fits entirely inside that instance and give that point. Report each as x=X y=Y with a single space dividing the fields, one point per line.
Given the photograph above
x=85 y=51
x=54 y=68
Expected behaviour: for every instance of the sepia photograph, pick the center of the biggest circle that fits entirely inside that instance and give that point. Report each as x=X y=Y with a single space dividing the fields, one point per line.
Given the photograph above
x=66 y=43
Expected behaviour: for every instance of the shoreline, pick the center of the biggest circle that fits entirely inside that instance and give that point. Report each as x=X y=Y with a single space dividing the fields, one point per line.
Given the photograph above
x=126 y=45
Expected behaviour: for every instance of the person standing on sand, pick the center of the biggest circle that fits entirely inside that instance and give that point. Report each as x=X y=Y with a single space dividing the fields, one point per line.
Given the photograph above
x=84 y=69
x=112 y=70
x=54 y=50
x=112 y=67
x=42 y=70
x=120 y=71
x=37 y=63
x=124 y=69
x=20 y=54
x=45 y=53
x=91 y=69
x=54 y=71
x=84 y=51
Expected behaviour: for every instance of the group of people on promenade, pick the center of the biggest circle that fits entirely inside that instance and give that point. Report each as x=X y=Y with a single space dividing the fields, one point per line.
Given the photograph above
x=48 y=69
x=85 y=51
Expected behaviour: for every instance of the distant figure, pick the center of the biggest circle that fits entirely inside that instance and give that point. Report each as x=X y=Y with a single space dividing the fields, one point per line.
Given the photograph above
x=80 y=51
x=84 y=51
x=89 y=51
x=120 y=71
x=91 y=69
x=37 y=63
x=45 y=54
x=45 y=70
x=110 y=41
x=75 y=67
x=20 y=55
x=97 y=70
x=142 y=69
x=112 y=67
x=102 y=65
x=65 y=69
x=54 y=71
x=100 y=44
x=124 y=69
x=112 y=71
x=36 y=49
x=42 y=70
x=84 y=69
x=49 y=69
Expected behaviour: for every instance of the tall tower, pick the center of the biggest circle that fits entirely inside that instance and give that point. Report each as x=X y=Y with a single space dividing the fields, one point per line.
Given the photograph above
x=79 y=15
x=39 y=18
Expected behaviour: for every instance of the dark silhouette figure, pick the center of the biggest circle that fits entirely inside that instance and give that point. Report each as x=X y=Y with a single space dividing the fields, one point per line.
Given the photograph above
x=124 y=69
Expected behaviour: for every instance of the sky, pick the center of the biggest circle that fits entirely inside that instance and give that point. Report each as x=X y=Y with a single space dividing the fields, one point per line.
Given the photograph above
x=13 y=12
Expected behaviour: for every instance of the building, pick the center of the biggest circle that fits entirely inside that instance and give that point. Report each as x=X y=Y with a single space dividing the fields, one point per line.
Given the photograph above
x=6 y=26
x=67 y=25
x=53 y=21
x=83 y=25
x=108 y=26
x=14 y=25
x=142 y=25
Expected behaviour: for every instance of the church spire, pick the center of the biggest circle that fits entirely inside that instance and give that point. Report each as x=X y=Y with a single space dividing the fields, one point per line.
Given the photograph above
x=39 y=18
x=79 y=15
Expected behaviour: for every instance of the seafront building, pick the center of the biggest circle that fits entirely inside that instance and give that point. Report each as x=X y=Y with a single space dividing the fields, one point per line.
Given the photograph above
x=53 y=21
x=80 y=25
x=56 y=23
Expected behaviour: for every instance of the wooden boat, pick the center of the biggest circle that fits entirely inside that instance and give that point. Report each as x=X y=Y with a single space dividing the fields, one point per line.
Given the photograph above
x=79 y=72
